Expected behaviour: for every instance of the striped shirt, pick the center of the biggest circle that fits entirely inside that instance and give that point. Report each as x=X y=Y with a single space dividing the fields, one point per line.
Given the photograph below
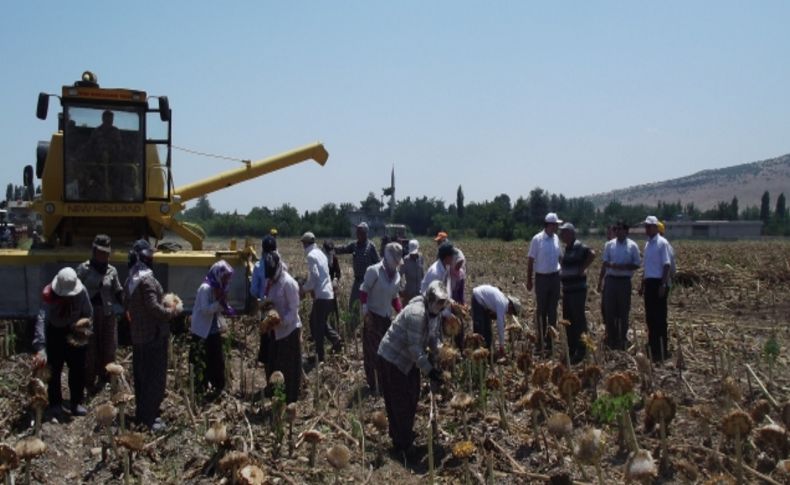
x=365 y=255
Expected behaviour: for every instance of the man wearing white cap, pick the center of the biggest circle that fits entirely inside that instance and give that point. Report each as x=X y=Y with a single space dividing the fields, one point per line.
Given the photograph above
x=655 y=283
x=412 y=272
x=66 y=311
x=319 y=284
x=364 y=255
x=544 y=260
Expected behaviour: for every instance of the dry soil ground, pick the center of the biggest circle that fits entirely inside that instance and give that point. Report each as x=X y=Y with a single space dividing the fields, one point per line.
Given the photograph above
x=728 y=310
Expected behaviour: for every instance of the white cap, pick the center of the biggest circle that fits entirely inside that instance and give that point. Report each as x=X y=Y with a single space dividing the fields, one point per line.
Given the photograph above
x=66 y=283
x=551 y=218
x=414 y=246
x=651 y=221
x=308 y=237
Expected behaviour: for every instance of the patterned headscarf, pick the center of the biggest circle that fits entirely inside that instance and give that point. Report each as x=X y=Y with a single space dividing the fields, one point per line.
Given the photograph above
x=216 y=275
x=393 y=256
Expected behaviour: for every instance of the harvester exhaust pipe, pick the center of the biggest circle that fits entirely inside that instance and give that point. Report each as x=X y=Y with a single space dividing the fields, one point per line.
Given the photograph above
x=315 y=151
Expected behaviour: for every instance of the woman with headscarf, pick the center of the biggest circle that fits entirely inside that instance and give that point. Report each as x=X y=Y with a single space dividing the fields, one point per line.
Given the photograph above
x=149 y=325
x=205 y=353
x=105 y=291
x=456 y=277
x=284 y=340
x=379 y=296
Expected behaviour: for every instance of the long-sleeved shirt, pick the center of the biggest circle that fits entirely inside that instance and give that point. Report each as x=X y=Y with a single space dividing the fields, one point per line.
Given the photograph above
x=60 y=317
x=379 y=290
x=365 y=254
x=149 y=318
x=404 y=345
x=492 y=299
x=656 y=257
x=545 y=251
x=205 y=311
x=412 y=272
x=436 y=272
x=258 y=281
x=284 y=293
x=625 y=252
x=318 y=280
x=103 y=289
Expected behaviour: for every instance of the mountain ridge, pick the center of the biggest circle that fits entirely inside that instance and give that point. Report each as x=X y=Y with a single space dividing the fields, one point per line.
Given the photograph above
x=747 y=181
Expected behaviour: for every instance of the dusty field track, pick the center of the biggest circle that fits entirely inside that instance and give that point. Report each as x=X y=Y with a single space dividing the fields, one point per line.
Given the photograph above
x=728 y=312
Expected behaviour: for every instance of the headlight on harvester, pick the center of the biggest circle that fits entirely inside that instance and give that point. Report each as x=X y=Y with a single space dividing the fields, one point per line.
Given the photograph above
x=49 y=208
x=164 y=208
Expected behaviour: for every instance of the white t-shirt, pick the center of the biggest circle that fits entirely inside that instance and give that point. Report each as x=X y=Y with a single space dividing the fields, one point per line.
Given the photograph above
x=656 y=257
x=493 y=300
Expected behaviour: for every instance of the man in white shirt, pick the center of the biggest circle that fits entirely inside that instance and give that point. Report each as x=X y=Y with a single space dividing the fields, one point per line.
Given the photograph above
x=438 y=270
x=620 y=260
x=544 y=260
x=655 y=283
x=488 y=303
x=319 y=284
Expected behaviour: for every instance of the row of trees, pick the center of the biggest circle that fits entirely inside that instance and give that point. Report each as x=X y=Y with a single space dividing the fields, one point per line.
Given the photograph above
x=499 y=218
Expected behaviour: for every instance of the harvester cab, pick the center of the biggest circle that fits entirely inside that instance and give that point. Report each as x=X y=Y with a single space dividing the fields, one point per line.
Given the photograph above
x=107 y=170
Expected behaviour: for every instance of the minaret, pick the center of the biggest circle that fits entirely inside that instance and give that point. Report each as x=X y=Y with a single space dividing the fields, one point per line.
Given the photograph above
x=392 y=192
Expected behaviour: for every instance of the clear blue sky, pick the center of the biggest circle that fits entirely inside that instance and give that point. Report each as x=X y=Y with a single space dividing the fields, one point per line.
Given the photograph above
x=575 y=97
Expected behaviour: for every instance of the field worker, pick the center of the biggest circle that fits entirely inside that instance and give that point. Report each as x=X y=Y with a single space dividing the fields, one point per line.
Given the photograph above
x=205 y=352
x=654 y=287
x=489 y=303
x=403 y=354
x=285 y=345
x=610 y=234
x=364 y=254
x=334 y=273
x=258 y=283
x=441 y=238
x=150 y=330
x=319 y=285
x=379 y=297
x=438 y=270
x=65 y=307
x=544 y=260
x=106 y=293
x=620 y=260
x=673 y=268
x=412 y=272
x=456 y=277
x=576 y=258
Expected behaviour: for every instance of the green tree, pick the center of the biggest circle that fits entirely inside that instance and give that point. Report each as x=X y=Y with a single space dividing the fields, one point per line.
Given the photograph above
x=371 y=205
x=781 y=209
x=538 y=206
x=202 y=210
x=765 y=207
x=9 y=192
x=733 y=215
x=459 y=202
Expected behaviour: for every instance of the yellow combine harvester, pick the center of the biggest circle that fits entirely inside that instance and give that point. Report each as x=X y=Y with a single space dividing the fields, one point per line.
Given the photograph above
x=108 y=170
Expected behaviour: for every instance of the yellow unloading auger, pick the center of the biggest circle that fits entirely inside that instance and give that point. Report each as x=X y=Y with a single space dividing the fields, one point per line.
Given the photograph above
x=107 y=170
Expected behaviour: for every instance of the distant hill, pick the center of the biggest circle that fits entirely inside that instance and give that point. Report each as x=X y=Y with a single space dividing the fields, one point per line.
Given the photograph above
x=705 y=189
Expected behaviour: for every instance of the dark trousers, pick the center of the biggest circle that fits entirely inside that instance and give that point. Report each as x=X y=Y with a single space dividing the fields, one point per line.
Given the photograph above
x=59 y=352
x=401 y=394
x=373 y=330
x=354 y=304
x=149 y=364
x=547 y=295
x=656 y=317
x=481 y=322
x=208 y=362
x=617 y=307
x=285 y=355
x=102 y=346
x=320 y=327
x=573 y=304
